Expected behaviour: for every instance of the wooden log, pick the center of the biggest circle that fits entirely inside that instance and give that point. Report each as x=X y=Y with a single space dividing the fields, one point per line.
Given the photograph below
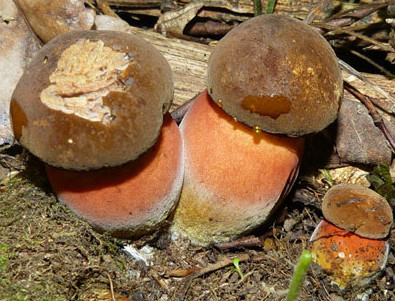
x=222 y=10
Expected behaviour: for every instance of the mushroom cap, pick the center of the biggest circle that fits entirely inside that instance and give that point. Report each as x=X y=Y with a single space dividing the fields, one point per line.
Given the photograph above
x=91 y=99
x=234 y=177
x=347 y=258
x=131 y=199
x=277 y=73
x=358 y=209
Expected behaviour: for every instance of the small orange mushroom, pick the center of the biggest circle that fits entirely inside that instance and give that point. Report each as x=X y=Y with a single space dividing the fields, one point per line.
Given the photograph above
x=351 y=245
x=347 y=258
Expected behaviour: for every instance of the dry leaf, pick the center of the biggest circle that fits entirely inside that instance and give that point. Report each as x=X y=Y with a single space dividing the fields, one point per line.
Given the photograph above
x=17 y=47
x=358 y=139
x=52 y=18
x=175 y=21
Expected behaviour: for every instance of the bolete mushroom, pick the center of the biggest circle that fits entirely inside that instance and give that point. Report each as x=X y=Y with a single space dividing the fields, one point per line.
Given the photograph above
x=92 y=99
x=89 y=102
x=351 y=244
x=234 y=177
x=277 y=74
x=272 y=74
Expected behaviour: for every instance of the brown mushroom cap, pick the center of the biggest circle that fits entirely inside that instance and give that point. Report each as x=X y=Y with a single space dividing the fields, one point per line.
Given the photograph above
x=131 y=199
x=276 y=73
x=358 y=209
x=91 y=99
x=234 y=177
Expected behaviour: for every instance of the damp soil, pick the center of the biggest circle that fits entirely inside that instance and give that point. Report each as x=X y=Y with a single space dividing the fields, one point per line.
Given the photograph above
x=46 y=253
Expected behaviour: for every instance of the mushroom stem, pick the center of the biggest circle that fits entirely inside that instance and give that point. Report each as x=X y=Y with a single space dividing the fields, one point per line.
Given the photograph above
x=234 y=177
x=131 y=199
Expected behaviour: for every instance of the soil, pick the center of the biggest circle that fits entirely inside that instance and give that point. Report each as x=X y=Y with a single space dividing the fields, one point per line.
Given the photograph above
x=46 y=253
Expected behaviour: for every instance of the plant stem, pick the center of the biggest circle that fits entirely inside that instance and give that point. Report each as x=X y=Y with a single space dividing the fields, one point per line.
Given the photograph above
x=299 y=275
x=257 y=7
x=270 y=6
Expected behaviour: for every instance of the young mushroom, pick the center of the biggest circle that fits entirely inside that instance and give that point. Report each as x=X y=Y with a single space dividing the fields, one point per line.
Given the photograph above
x=277 y=74
x=271 y=73
x=94 y=100
x=351 y=244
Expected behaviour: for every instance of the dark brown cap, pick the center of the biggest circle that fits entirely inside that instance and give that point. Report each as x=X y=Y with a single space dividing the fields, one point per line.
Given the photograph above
x=358 y=209
x=278 y=74
x=91 y=99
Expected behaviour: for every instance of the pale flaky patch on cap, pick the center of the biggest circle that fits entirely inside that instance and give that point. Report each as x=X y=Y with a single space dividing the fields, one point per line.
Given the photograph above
x=86 y=72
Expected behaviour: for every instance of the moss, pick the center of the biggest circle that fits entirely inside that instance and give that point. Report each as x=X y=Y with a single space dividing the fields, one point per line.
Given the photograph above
x=46 y=253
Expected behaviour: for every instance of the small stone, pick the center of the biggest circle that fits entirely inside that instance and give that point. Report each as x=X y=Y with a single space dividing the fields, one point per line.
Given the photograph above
x=289 y=224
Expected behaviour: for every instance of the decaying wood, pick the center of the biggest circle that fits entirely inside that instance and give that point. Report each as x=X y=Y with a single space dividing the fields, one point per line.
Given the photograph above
x=227 y=9
x=359 y=141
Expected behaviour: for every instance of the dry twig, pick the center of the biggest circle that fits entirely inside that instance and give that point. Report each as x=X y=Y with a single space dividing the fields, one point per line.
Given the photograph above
x=373 y=63
x=339 y=30
x=357 y=74
x=180 y=294
x=111 y=287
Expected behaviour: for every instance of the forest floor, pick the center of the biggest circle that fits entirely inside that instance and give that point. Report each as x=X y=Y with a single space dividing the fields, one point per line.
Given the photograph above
x=47 y=253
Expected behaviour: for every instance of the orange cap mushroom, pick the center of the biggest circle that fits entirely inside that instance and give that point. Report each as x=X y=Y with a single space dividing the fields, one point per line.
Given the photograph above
x=347 y=258
x=234 y=177
x=92 y=99
x=276 y=73
x=130 y=199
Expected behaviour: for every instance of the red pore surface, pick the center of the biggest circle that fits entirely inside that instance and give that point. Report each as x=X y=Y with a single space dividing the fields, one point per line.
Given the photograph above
x=129 y=199
x=233 y=175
